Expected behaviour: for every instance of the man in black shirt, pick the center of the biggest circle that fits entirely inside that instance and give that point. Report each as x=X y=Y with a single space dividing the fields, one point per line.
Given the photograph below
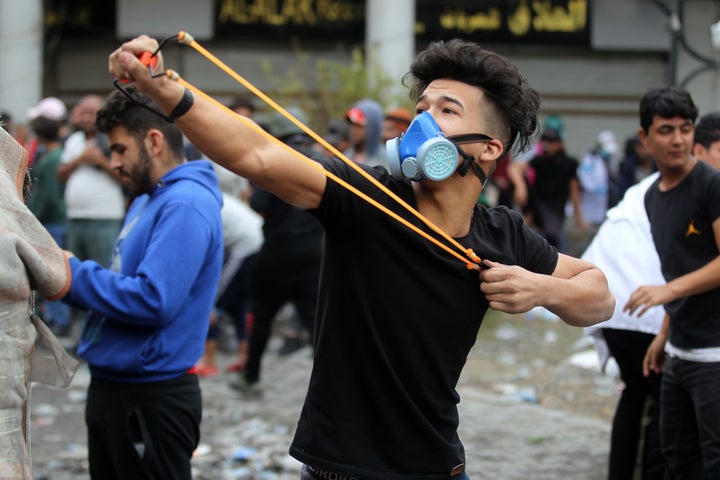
x=683 y=207
x=398 y=314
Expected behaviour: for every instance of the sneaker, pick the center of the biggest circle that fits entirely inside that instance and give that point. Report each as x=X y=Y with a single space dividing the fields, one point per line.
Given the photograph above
x=248 y=389
x=235 y=367
x=291 y=345
x=205 y=371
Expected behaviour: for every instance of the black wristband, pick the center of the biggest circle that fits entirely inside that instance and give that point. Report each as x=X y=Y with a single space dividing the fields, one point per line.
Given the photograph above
x=185 y=103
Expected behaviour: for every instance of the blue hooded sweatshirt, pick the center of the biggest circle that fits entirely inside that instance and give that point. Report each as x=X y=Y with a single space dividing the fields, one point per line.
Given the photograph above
x=149 y=312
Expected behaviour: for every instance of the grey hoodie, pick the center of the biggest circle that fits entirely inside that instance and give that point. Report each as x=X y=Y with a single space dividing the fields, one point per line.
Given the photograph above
x=374 y=148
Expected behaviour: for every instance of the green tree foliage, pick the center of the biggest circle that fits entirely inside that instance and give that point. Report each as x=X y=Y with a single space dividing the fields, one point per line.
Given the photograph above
x=325 y=89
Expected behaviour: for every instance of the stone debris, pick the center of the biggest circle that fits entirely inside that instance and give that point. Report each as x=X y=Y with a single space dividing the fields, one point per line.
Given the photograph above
x=527 y=410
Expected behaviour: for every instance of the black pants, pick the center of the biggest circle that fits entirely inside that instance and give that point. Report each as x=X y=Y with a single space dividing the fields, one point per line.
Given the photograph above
x=280 y=277
x=640 y=398
x=234 y=300
x=143 y=431
x=690 y=420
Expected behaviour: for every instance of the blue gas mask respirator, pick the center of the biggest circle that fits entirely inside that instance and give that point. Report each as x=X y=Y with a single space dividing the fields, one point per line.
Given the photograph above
x=425 y=152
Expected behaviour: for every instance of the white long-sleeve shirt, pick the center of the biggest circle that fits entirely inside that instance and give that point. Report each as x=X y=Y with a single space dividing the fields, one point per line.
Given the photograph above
x=624 y=250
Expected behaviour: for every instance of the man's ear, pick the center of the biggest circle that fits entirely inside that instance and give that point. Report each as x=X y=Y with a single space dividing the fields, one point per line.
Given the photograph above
x=492 y=151
x=154 y=141
x=699 y=151
x=642 y=135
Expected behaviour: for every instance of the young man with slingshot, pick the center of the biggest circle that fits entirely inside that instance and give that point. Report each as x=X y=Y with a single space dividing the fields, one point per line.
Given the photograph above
x=397 y=315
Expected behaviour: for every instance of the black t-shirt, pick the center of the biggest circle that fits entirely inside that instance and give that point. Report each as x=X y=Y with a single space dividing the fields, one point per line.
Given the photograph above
x=285 y=226
x=397 y=316
x=681 y=224
x=552 y=180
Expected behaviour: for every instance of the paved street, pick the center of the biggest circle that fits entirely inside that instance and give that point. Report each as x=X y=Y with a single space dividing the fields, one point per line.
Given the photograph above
x=524 y=414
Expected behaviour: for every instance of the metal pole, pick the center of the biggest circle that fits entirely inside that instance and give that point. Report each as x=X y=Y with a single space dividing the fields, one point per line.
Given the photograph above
x=676 y=24
x=390 y=38
x=20 y=56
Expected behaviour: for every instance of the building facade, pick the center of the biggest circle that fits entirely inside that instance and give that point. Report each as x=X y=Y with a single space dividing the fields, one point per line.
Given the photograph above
x=591 y=60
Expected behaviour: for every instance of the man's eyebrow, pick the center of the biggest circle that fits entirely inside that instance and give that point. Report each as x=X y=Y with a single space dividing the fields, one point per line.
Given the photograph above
x=445 y=98
x=668 y=124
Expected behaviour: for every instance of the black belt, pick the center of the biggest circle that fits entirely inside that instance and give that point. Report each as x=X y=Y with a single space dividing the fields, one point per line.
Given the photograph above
x=312 y=473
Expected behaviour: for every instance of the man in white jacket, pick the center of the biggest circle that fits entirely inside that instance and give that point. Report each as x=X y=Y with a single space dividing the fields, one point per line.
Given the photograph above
x=624 y=250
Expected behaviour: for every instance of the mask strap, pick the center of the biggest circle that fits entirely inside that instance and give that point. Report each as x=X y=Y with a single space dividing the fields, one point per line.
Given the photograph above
x=470 y=138
x=469 y=162
x=480 y=173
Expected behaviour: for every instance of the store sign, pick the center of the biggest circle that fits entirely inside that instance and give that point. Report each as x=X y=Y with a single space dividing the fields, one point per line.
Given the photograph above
x=526 y=22
x=283 y=19
x=485 y=21
x=505 y=21
x=79 y=18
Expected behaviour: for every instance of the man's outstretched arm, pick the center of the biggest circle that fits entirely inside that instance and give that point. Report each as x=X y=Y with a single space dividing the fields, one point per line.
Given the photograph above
x=221 y=135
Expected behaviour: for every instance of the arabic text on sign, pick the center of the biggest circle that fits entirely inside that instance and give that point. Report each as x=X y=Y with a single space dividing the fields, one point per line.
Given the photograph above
x=284 y=12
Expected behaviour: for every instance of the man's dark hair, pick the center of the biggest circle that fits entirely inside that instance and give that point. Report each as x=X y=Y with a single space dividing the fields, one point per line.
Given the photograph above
x=119 y=110
x=5 y=119
x=666 y=102
x=243 y=101
x=46 y=129
x=509 y=95
x=707 y=130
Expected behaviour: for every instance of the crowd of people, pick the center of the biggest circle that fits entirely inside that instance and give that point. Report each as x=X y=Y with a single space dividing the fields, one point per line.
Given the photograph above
x=81 y=202
x=174 y=213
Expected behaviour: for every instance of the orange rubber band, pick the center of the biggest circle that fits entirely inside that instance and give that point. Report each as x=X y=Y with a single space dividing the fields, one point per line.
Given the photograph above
x=187 y=39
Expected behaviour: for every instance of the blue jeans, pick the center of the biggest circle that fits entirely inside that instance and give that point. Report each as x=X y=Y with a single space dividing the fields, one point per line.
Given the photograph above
x=56 y=312
x=690 y=418
x=91 y=239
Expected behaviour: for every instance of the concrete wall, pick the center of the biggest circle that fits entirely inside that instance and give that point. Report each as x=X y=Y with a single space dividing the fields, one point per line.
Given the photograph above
x=592 y=94
x=592 y=91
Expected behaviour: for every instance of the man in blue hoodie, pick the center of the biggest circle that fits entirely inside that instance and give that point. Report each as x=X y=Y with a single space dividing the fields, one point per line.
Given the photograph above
x=149 y=311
